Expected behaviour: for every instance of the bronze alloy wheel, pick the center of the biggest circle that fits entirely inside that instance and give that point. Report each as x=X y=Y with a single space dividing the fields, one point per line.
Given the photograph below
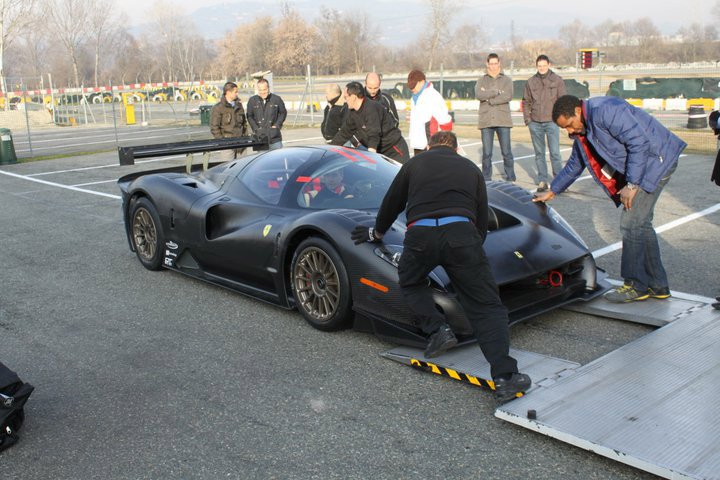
x=144 y=234
x=316 y=284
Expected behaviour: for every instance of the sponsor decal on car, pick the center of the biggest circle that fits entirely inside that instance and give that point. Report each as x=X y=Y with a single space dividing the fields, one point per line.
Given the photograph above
x=171 y=245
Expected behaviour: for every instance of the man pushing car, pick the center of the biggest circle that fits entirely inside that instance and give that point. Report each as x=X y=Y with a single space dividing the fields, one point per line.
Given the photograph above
x=445 y=199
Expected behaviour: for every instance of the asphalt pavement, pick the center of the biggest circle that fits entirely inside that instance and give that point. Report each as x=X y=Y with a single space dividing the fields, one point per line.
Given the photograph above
x=154 y=375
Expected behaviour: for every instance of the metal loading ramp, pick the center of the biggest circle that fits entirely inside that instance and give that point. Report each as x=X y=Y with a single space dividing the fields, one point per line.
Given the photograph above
x=652 y=404
x=467 y=364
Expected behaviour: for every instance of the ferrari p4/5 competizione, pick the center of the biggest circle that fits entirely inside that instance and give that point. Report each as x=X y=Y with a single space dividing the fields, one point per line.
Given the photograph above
x=276 y=226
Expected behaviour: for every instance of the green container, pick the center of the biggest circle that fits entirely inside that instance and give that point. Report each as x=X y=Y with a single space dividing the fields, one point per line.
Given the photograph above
x=205 y=114
x=7 y=149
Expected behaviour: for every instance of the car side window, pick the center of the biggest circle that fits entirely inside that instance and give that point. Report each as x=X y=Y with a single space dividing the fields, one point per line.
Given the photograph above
x=267 y=176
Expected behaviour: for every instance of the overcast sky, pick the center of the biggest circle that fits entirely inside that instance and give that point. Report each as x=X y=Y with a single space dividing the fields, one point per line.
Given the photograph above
x=668 y=15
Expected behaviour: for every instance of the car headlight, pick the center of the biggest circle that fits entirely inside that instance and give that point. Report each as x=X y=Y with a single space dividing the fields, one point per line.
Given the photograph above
x=555 y=216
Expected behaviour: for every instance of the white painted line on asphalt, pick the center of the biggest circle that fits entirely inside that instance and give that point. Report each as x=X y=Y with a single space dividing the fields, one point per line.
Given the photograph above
x=51 y=172
x=89 y=134
x=675 y=223
x=303 y=139
x=55 y=147
x=93 y=183
x=67 y=187
x=161 y=159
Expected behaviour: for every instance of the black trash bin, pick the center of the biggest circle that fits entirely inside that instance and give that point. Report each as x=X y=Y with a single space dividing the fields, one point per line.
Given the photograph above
x=696 y=117
x=7 y=148
x=205 y=114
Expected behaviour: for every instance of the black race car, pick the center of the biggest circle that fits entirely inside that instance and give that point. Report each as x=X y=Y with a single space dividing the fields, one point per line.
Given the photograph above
x=276 y=226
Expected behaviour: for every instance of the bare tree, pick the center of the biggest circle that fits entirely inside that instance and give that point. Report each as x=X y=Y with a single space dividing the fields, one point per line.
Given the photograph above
x=68 y=20
x=101 y=29
x=438 y=26
x=648 y=39
x=293 y=41
x=248 y=48
x=174 y=36
x=573 y=35
x=466 y=44
x=35 y=46
x=15 y=16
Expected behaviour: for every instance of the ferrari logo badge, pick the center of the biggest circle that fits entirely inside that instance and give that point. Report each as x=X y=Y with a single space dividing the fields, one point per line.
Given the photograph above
x=518 y=254
x=266 y=230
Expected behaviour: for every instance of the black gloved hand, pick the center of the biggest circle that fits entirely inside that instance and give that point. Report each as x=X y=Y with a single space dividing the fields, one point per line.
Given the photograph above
x=361 y=234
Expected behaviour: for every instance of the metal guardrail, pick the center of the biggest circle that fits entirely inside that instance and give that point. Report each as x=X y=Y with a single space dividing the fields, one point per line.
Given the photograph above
x=128 y=155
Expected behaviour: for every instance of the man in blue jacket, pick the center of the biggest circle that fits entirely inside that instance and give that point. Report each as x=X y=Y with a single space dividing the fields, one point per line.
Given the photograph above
x=631 y=156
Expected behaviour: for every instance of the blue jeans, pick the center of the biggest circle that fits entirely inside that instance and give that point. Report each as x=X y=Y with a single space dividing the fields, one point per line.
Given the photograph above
x=503 y=134
x=538 y=132
x=641 y=264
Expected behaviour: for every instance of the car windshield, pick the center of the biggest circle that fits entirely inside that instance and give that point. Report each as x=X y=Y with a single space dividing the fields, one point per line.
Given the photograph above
x=347 y=180
x=267 y=177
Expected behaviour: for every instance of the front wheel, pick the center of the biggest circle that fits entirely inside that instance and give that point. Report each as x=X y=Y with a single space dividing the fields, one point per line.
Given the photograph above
x=147 y=234
x=320 y=285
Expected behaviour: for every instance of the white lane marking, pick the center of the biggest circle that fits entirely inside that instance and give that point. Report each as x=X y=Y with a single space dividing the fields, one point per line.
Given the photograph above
x=675 y=223
x=67 y=187
x=84 y=143
x=138 y=161
x=303 y=139
x=60 y=136
x=161 y=159
x=93 y=183
x=515 y=158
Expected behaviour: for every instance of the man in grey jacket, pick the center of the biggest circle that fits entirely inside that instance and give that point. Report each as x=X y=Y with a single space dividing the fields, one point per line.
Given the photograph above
x=494 y=90
x=541 y=91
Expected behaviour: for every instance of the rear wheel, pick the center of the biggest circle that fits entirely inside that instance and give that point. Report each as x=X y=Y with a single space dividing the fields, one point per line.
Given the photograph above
x=320 y=285
x=147 y=234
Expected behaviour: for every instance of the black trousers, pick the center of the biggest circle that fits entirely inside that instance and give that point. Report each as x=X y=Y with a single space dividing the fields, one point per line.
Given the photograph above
x=399 y=151
x=457 y=247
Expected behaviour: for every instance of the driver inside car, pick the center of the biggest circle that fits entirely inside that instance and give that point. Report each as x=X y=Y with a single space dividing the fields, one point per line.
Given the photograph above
x=330 y=186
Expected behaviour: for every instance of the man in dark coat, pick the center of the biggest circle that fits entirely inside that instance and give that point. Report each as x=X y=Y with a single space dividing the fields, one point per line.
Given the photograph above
x=369 y=124
x=445 y=200
x=335 y=111
x=266 y=114
x=227 y=120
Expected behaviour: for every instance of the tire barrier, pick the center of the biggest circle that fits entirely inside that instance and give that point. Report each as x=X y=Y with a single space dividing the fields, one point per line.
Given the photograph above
x=697 y=117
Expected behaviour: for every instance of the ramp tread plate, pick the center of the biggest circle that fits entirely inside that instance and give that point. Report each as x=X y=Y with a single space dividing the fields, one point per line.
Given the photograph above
x=469 y=360
x=651 y=404
x=648 y=312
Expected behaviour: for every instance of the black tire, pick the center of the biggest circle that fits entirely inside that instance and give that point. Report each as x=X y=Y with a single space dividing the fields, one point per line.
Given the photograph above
x=146 y=233
x=320 y=285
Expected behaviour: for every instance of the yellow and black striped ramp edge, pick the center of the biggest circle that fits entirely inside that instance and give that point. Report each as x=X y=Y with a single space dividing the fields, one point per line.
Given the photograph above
x=467 y=364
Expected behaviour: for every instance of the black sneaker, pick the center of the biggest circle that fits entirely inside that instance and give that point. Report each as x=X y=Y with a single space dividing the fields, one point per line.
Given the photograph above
x=542 y=187
x=659 y=292
x=511 y=388
x=440 y=342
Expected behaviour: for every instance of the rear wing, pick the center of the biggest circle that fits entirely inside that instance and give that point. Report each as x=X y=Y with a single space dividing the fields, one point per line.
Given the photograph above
x=129 y=154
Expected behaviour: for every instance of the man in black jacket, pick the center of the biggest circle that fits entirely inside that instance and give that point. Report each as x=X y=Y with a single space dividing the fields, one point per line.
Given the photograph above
x=266 y=114
x=369 y=124
x=445 y=200
x=373 y=92
x=335 y=111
